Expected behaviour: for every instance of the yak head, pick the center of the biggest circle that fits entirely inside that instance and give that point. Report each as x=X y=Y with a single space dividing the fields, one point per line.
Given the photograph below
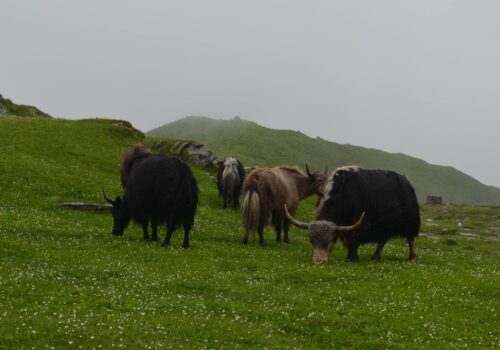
x=323 y=235
x=120 y=213
x=318 y=180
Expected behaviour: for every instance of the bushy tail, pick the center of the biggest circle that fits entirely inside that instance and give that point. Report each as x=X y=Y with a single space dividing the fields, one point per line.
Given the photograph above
x=250 y=212
x=229 y=179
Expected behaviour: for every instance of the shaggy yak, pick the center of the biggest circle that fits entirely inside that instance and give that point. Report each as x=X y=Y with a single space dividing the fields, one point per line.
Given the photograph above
x=131 y=152
x=230 y=178
x=159 y=189
x=267 y=190
x=388 y=200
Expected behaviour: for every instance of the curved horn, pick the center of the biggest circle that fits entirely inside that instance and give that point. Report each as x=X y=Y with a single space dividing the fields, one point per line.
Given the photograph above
x=109 y=200
x=295 y=221
x=326 y=169
x=308 y=172
x=352 y=227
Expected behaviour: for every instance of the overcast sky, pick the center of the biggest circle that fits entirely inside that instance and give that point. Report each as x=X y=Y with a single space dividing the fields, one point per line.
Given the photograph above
x=417 y=77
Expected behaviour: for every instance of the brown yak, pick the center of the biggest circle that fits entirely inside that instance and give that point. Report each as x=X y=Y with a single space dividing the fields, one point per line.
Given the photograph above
x=265 y=193
x=132 y=151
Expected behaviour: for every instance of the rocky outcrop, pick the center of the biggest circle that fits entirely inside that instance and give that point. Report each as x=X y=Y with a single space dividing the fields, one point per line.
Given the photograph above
x=2 y=109
x=197 y=153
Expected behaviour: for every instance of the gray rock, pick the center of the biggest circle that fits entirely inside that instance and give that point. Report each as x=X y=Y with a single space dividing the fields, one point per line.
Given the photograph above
x=198 y=154
x=429 y=235
x=2 y=109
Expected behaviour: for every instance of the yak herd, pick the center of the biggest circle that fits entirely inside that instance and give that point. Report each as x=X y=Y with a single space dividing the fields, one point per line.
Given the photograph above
x=355 y=205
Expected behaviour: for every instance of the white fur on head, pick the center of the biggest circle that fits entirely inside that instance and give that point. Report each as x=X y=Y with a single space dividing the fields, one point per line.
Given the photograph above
x=330 y=183
x=230 y=166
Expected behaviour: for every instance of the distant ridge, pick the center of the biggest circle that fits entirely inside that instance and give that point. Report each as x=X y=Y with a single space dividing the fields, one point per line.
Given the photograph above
x=258 y=145
x=7 y=107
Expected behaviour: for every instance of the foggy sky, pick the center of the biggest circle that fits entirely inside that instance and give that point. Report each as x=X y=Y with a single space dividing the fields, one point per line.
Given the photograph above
x=416 y=77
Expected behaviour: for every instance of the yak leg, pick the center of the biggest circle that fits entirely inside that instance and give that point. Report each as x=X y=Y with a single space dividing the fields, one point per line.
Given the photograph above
x=185 y=243
x=277 y=226
x=378 y=252
x=262 y=242
x=168 y=236
x=286 y=224
x=245 y=236
x=411 y=244
x=236 y=201
x=286 y=227
x=154 y=235
x=145 y=230
x=225 y=203
x=352 y=253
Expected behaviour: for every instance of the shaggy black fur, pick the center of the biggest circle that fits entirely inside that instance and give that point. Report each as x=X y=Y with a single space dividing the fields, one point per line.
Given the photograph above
x=159 y=189
x=388 y=199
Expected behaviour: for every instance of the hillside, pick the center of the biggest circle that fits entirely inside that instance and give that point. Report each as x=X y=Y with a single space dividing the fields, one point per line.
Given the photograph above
x=257 y=145
x=7 y=107
x=66 y=282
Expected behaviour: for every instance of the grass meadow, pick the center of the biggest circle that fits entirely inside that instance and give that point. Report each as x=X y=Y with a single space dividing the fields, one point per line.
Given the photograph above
x=67 y=283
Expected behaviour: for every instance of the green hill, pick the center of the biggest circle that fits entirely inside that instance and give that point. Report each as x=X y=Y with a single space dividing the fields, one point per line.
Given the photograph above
x=66 y=282
x=7 y=107
x=257 y=145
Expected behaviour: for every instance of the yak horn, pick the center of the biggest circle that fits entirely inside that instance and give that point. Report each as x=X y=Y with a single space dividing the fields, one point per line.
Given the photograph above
x=109 y=200
x=352 y=227
x=295 y=221
x=326 y=169
x=307 y=171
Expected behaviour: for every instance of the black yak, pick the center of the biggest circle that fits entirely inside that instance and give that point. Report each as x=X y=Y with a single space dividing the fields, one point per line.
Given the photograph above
x=131 y=152
x=159 y=189
x=230 y=176
x=267 y=190
x=382 y=203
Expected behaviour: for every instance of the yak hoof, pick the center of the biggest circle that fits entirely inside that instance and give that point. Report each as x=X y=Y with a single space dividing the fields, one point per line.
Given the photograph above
x=413 y=258
x=165 y=244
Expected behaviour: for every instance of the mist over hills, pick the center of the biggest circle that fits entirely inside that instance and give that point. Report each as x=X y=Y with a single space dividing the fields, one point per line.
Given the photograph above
x=254 y=144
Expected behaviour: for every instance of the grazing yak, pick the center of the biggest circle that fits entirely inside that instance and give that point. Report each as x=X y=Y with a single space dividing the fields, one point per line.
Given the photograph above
x=230 y=178
x=131 y=152
x=159 y=189
x=382 y=203
x=267 y=190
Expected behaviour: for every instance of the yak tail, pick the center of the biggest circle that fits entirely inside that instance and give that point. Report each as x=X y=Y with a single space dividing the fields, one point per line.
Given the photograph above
x=229 y=182
x=250 y=212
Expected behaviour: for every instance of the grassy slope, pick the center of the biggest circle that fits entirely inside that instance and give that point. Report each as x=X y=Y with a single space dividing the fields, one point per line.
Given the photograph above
x=254 y=144
x=66 y=282
x=21 y=110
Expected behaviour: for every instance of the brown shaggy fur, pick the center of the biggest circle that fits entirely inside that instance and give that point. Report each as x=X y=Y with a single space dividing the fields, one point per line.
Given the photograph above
x=267 y=190
x=133 y=151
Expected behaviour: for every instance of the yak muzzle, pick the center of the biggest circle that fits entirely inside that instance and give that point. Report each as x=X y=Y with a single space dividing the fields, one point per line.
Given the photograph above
x=320 y=257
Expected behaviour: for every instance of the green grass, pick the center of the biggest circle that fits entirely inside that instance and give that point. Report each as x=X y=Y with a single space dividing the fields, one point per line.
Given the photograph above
x=66 y=282
x=256 y=145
